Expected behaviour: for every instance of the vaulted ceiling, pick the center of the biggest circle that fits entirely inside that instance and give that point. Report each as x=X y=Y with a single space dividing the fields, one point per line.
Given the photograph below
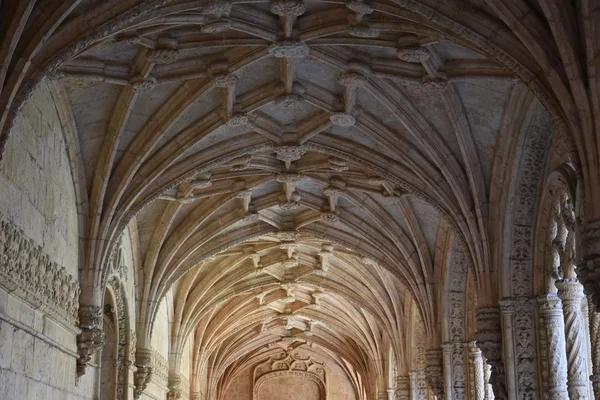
x=296 y=169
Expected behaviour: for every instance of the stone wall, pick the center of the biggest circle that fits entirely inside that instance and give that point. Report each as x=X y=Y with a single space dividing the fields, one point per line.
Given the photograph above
x=39 y=243
x=286 y=387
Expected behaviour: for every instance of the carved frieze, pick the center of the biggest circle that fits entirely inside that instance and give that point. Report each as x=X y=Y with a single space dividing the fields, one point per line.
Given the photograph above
x=27 y=272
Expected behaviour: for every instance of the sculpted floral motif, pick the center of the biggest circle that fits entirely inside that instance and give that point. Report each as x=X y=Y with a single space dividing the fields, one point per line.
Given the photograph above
x=142 y=85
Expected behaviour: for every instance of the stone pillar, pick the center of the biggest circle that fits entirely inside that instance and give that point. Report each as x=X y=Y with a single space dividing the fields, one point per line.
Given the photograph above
x=434 y=372
x=595 y=345
x=489 y=339
x=507 y=310
x=91 y=338
x=585 y=313
x=476 y=361
x=553 y=346
x=391 y=394
x=447 y=349
x=403 y=388
x=413 y=376
x=143 y=374
x=570 y=292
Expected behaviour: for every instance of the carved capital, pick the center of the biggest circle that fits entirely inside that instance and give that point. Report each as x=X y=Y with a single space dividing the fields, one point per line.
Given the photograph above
x=91 y=337
x=143 y=374
x=288 y=8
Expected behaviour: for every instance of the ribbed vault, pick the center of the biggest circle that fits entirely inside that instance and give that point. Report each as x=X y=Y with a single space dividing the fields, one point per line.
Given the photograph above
x=296 y=171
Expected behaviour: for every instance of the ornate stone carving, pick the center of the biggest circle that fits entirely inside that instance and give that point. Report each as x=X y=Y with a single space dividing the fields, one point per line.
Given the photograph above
x=123 y=362
x=143 y=374
x=337 y=164
x=359 y=6
x=434 y=85
x=571 y=294
x=552 y=344
x=288 y=8
x=588 y=269
x=289 y=177
x=352 y=79
x=91 y=337
x=363 y=30
x=224 y=80
x=218 y=8
x=289 y=49
x=344 y=120
x=174 y=385
x=413 y=54
x=478 y=373
x=331 y=217
x=27 y=272
x=489 y=339
x=289 y=153
x=165 y=52
x=141 y=85
x=290 y=101
x=434 y=372
x=239 y=119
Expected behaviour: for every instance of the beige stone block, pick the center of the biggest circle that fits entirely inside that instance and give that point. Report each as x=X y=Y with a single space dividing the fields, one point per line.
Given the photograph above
x=8 y=385
x=6 y=342
x=21 y=388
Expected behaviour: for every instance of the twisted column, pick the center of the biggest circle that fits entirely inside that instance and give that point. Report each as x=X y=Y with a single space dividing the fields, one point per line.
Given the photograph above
x=570 y=292
x=403 y=387
x=413 y=376
x=489 y=390
x=434 y=372
x=489 y=338
x=588 y=270
x=476 y=360
x=552 y=330
x=595 y=348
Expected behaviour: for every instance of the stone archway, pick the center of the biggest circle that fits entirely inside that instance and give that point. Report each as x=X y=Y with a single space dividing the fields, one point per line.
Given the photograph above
x=298 y=377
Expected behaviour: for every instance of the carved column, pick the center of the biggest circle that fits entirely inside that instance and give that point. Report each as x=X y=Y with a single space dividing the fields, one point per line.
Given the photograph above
x=489 y=390
x=447 y=350
x=143 y=374
x=571 y=293
x=476 y=361
x=403 y=387
x=91 y=337
x=489 y=339
x=434 y=372
x=553 y=346
x=413 y=376
x=595 y=345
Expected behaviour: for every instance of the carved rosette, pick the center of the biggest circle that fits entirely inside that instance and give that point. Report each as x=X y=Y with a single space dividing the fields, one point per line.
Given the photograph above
x=289 y=49
x=239 y=119
x=91 y=337
x=489 y=339
x=413 y=54
x=224 y=80
x=434 y=372
x=165 y=52
x=142 y=85
x=288 y=8
x=352 y=79
x=359 y=6
x=344 y=120
x=290 y=101
x=363 y=31
x=143 y=374
x=552 y=343
x=570 y=292
x=331 y=217
x=588 y=271
x=289 y=153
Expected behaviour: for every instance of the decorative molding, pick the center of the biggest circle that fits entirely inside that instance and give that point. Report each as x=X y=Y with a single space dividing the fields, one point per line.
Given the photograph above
x=289 y=49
